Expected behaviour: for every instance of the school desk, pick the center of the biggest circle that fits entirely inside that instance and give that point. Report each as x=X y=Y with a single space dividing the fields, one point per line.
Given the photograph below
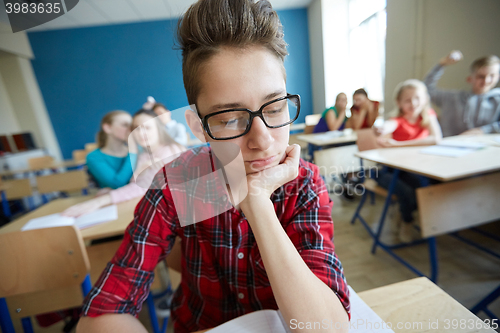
x=320 y=140
x=297 y=127
x=55 y=165
x=468 y=196
x=418 y=305
x=108 y=229
x=100 y=254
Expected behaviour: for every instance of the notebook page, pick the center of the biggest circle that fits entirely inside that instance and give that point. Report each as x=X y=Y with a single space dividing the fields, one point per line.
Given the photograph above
x=363 y=318
x=49 y=221
x=446 y=151
x=328 y=135
x=263 y=321
x=106 y=214
x=462 y=144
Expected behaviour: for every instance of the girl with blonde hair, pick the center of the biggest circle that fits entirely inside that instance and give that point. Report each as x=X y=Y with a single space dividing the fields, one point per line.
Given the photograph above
x=415 y=125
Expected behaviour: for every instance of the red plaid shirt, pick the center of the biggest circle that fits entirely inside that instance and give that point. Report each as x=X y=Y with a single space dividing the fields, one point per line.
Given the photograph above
x=223 y=276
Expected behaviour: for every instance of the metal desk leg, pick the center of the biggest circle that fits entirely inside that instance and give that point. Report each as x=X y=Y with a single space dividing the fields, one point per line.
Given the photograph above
x=5 y=320
x=361 y=203
x=392 y=185
x=5 y=205
x=27 y=326
x=86 y=285
x=483 y=304
x=433 y=259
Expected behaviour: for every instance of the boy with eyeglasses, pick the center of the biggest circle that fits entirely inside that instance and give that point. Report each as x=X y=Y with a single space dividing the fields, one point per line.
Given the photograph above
x=273 y=248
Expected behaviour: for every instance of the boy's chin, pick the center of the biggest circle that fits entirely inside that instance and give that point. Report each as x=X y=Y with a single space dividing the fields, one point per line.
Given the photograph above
x=252 y=170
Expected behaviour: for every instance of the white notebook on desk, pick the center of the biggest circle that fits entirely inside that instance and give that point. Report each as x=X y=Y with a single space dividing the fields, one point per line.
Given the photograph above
x=328 y=135
x=453 y=148
x=363 y=320
x=106 y=214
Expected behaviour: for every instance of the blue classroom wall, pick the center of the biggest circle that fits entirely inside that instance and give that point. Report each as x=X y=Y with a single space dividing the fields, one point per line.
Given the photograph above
x=83 y=73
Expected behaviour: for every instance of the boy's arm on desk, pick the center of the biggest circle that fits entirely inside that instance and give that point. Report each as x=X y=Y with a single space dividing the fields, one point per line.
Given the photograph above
x=109 y=323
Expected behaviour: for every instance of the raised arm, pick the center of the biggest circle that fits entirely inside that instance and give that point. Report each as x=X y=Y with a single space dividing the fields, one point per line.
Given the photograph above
x=439 y=96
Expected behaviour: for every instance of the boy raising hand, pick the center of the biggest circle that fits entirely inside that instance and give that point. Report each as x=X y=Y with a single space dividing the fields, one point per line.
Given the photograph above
x=468 y=112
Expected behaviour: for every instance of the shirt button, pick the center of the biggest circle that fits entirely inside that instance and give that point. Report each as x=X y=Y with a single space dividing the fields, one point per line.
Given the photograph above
x=241 y=255
x=224 y=199
x=241 y=296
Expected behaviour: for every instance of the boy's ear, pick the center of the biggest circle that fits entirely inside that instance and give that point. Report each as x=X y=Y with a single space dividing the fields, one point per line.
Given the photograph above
x=468 y=79
x=194 y=124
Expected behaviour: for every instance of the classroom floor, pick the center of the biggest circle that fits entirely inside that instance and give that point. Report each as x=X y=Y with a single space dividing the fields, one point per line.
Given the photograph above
x=465 y=273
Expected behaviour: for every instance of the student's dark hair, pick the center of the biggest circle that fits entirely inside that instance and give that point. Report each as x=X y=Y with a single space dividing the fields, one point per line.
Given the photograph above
x=483 y=62
x=210 y=25
x=156 y=105
x=165 y=138
x=146 y=112
x=108 y=118
x=361 y=91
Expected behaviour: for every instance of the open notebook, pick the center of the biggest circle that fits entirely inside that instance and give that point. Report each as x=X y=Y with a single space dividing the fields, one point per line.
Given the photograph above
x=363 y=320
x=453 y=148
x=106 y=214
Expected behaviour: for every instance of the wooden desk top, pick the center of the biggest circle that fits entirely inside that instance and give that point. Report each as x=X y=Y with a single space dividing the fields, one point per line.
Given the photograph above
x=322 y=139
x=418 y=303
x=55 y=165
x=297 y=126
x=108 y=229
x=437 y=167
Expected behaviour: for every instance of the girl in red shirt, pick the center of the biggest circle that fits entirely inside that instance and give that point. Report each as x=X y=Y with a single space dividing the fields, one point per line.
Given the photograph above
x=415 y=125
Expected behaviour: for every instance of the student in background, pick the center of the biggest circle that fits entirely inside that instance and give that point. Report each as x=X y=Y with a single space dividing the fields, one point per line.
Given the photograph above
x=364 y=111
x=475 y=111
x=176 y=130
x=272 y=250
x=333 y=119
x=415 y=125
x=156 y=145
x=111 y=164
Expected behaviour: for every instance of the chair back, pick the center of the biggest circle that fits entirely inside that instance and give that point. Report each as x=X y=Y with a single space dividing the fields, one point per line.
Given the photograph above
x=80 y=155
x=69 y=181
x=40 y=162
x=367 y=139
x=311 y=122
x=48 y=262
x=16 y=188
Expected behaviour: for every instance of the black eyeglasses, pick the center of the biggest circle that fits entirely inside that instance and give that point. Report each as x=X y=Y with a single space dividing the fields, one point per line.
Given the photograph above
x=233 y=123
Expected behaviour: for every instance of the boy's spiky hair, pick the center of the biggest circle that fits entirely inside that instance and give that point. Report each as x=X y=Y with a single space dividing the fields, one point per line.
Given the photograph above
x=209 y=25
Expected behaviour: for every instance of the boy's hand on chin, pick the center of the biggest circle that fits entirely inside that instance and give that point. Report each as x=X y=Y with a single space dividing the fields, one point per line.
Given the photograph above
x=263 y=183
